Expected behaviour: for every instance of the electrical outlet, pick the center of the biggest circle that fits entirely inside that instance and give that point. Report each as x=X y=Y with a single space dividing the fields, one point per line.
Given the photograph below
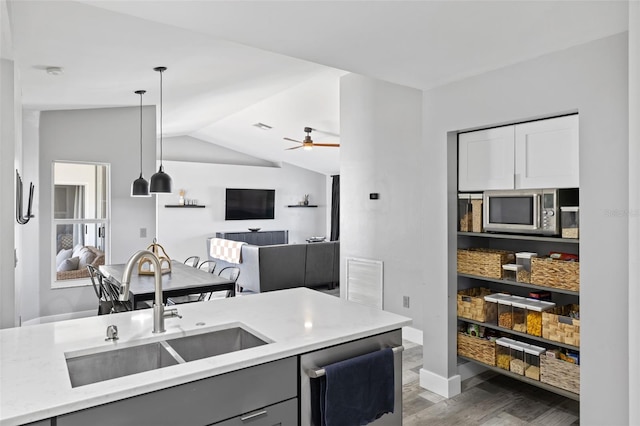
x=143 y=232
x=405 y=301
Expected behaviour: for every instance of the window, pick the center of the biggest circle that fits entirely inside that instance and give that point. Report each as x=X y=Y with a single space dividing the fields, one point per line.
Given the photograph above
x=80 y=219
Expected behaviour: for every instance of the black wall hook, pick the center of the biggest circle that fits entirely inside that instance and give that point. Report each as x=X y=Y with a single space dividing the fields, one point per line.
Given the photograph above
x=20 y=217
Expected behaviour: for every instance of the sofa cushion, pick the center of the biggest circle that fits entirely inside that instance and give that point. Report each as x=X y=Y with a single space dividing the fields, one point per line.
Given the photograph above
x=63 y=255
x=70 y=264
x=86 y=256
x=282 y=266
x=319 y=264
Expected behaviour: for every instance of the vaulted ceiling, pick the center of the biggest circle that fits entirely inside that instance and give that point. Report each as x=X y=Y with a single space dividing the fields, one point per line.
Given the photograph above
x=232 y=64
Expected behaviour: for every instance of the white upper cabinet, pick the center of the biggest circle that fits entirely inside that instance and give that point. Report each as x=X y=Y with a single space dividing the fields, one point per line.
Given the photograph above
x=485 y=159
x=547 y=153
x=538 y=154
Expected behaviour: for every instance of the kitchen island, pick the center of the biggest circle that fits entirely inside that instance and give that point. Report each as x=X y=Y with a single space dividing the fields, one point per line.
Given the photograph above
x=35 y=384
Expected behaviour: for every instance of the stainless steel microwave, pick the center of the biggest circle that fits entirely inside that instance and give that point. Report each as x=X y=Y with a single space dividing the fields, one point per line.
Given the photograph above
x=526 y=211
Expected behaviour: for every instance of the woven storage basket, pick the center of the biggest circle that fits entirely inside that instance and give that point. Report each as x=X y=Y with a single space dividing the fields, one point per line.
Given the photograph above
x=471 y=304
x=559 y=373
x=483 y=262
x=482 y=350
x=555 y=273
x=558 y=326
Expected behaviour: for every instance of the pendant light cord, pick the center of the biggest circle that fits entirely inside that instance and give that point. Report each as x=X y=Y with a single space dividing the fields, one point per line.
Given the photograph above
x=141 y=93
x=161 y=71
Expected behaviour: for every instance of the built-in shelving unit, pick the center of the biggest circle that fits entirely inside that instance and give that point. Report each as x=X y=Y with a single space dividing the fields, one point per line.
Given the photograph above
x=523 y=285
x=190 y=206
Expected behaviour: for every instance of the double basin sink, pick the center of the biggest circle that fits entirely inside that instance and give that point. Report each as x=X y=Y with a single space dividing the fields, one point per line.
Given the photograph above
x=111 y=364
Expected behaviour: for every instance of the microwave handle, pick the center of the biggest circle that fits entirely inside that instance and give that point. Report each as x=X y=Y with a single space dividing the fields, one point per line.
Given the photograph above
x=536 y=211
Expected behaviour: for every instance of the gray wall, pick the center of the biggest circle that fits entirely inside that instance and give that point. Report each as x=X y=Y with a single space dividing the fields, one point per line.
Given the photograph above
x=381 y=151
x=591 y=79
x=108 y=135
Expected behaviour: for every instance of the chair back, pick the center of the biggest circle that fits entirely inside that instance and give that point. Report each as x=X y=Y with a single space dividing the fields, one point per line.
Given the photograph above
x=208 y=265
x=192 y=261
x=230 y=272
x=107 y=292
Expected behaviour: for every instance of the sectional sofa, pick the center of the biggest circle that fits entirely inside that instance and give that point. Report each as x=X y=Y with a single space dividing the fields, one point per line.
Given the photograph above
x=281 y=266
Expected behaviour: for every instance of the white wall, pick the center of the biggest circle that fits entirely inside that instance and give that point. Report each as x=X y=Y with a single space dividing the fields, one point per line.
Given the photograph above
x=183 y=232
x=591 y=79
x=381 y=152
x=634 y=210
x=108 y=135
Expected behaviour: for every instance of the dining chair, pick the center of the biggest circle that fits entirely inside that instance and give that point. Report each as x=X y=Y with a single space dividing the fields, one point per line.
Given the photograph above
x=230 y=272
x=107 y=293
x=192 y=261
x=208 y=265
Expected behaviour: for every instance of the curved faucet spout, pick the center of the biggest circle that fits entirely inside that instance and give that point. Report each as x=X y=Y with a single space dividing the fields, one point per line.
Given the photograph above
x=158 y=306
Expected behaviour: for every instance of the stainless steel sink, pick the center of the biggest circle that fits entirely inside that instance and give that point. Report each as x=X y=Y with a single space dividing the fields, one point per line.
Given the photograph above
x=97 y=367
x=214 y=343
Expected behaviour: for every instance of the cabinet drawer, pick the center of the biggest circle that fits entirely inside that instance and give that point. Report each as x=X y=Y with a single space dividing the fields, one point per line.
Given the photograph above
x=282 y=414
x=202 y=402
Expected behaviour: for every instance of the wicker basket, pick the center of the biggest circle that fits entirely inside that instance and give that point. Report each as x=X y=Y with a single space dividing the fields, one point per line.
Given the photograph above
x=483 y=262
x=555 y=273
x=482 y=350
x=559 y=373
x=471 y=304
x=558 y=326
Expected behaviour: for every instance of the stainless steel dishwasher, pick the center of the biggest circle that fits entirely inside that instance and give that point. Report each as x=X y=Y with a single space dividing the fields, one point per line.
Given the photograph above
x=313 y=361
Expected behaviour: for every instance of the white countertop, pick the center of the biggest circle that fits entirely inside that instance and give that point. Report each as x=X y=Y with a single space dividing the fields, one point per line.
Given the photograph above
x=35 y=385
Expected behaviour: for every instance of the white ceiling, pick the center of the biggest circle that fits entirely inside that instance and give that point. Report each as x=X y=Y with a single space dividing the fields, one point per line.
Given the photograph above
x=234 y=63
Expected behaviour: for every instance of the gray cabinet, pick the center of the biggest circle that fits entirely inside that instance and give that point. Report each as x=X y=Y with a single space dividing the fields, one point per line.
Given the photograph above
x=282 y=414
x=203 y=402
x=260 y=238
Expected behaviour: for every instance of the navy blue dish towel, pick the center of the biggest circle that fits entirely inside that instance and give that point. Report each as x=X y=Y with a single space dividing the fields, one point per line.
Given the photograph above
x=356 y=391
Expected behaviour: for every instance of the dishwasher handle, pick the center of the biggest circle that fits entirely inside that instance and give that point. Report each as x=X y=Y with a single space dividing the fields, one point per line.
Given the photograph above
x=314 y=374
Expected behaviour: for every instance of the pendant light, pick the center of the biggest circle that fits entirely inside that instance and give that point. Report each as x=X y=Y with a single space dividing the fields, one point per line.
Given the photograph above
x=140 y=186
x=160 y=182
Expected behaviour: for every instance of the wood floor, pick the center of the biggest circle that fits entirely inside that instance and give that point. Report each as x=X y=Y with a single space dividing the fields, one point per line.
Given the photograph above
x=487 y=399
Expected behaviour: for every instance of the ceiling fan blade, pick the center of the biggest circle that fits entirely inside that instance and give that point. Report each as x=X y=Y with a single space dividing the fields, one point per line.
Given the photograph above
x=295 y=147
x=292 y=140
x=336 y=145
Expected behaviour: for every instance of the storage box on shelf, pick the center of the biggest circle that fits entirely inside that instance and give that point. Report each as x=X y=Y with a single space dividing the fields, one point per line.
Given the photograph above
x=535 y=309
x=503 y=353
x=470 y=212
x=472 y=305
x=562 y=324
x=555 y=273
x=483 y=262
x=532 y=356
x=492 y=306
x=524 y=260
x=516 y=365
x=477 y=348
x=570 y=222
x=562 y=374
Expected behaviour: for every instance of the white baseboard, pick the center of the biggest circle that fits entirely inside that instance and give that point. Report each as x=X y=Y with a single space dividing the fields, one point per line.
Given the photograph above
x=60 y=317
x=412 y=334
x=437 y=384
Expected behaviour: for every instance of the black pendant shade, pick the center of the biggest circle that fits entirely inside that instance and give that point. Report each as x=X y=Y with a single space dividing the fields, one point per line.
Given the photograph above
x=160 y=182
x=140 y=186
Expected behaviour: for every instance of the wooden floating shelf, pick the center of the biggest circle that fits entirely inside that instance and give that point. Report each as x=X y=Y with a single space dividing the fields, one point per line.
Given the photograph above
x=298 y=205
x=183 y=207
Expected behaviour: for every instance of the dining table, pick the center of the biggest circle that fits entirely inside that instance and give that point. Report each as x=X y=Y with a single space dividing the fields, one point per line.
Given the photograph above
x=182 y=280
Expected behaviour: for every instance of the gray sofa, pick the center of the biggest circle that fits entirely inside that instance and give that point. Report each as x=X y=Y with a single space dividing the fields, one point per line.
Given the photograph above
x=276 y=267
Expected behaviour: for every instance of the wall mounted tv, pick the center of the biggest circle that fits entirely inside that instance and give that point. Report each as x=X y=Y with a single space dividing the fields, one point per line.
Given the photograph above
x=245 y=204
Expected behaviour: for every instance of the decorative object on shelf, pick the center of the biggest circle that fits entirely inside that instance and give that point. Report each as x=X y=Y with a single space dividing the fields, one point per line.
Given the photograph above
x=145 y=265
x=254 y=229
x=305 y=201
x=20 y=217
x=185 y=206
x=140 y=186
x=160 y=182
x=483 y=262
x=181 y=198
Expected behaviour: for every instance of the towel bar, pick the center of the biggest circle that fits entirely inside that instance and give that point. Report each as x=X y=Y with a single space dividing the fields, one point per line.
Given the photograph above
x=314 y=374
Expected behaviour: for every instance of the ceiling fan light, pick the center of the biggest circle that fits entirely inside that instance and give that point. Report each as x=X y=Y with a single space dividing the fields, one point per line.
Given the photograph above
x=307 y=147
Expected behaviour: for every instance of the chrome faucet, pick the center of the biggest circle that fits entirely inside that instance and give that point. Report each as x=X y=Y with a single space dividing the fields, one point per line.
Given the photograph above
x=158 y=307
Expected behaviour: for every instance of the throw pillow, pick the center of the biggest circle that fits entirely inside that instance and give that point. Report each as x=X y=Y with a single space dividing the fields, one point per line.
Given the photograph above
x=62 y=256
x=76 y=250
x=86 y=257
x=70 y=264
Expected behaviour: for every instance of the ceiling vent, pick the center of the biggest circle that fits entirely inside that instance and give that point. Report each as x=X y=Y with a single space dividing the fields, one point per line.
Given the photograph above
x=263 y=126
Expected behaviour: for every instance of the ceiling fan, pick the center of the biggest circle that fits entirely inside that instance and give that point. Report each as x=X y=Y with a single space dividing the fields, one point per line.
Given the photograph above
x=308 y=143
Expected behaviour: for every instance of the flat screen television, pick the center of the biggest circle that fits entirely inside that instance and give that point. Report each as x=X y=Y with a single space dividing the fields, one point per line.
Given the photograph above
x=245 y=204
